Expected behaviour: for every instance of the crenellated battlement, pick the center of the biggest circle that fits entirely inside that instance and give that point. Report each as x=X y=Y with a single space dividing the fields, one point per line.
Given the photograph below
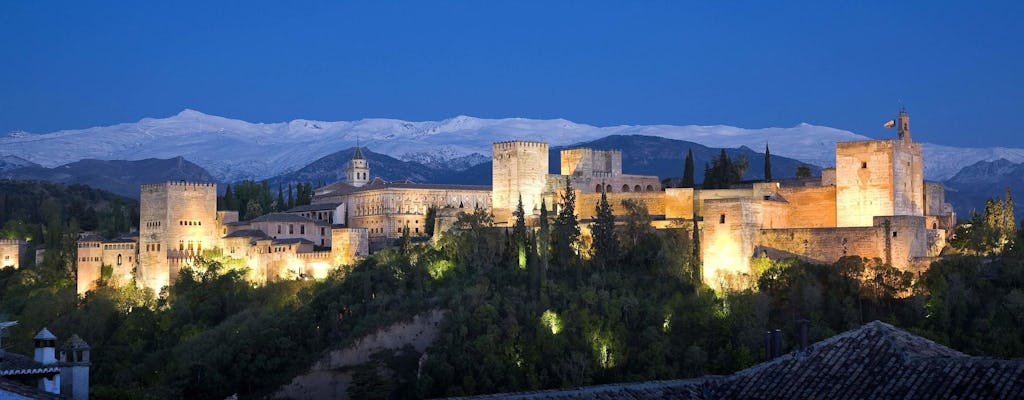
x=184 y=184
x=517 y=144
x=11 y=241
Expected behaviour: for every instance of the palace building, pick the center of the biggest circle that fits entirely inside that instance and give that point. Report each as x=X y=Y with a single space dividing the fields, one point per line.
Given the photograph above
x=874 y=203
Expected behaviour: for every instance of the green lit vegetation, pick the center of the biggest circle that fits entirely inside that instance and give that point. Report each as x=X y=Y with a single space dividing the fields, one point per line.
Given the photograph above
x=524 y=311
x=552 y=321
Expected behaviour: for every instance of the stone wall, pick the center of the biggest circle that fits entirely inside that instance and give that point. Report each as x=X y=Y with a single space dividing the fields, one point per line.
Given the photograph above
x=349 y=245
x=864 y=181
x=12 y=253
x=809 y=206
x=908 y=179
x=88 y=261
x=591 y=162
x=586 y=203
x=679 y=203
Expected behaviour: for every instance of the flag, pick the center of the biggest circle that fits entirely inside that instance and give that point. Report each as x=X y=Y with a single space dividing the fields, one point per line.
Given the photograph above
x=890 y=124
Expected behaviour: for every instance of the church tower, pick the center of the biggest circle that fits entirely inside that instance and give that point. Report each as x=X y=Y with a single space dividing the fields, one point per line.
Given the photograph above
x=358 y=171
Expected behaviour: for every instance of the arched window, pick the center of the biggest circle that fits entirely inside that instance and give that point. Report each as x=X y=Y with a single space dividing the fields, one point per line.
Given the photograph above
x=608 y=188
x=625 y=188
x=118 y=259
x=637 y=188
x=597 y=188
x=650 y=188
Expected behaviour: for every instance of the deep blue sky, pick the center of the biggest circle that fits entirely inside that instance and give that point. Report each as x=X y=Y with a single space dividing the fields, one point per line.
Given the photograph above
x=959 y=69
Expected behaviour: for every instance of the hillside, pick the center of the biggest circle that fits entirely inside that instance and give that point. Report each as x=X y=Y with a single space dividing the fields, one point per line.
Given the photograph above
x=117 y=176
x=969 y=188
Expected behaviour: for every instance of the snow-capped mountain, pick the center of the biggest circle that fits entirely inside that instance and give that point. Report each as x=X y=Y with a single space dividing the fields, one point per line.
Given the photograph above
x=233 y=149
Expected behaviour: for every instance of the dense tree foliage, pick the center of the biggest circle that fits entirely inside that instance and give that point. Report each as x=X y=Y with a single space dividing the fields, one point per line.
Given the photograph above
x=724 y=171
x=252 y=199
x=990 y=233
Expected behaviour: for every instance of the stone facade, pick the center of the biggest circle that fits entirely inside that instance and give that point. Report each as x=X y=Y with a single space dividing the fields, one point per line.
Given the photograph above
x=12 y=253
x=519 y=170
x=179 y=221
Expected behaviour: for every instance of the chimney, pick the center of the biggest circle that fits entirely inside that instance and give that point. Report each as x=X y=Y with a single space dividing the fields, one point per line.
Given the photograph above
x=768 y=355
x=74 y=369
x=46 y=347
x=801 y=333
x=776 y=343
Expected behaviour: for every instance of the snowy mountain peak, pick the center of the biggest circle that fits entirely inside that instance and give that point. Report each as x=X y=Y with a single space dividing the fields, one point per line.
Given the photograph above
x=233 y=149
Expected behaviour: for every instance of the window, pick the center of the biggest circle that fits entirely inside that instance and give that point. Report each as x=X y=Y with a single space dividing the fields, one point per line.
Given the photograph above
x=302 y=229
x=863 y=164
x=608 y=188
x=650 y=188
x=118 y=259
x=291 y=229
x=321 y=231
x=721 y=219
x=625 y=188
x=894 y=233
x=637 y=188
x=279 y=229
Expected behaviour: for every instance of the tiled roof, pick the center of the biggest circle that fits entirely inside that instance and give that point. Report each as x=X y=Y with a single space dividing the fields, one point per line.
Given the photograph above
x=247 y=233
x=16 y=364
x=23 y=390
x=280 y=217
x=875 y=361
x=291 y=241
x=378 y=183
x=314 y=207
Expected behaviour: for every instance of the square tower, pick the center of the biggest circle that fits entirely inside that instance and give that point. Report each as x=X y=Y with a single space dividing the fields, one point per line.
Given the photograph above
x=879 y=178
x=177 y=221
x=519 y=168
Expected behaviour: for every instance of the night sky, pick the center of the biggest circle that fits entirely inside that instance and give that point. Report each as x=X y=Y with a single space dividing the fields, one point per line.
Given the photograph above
x=958 y=68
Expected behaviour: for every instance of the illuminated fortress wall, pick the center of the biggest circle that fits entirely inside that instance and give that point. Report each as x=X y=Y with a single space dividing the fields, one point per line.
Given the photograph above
x=176 y=219
x=520 y=168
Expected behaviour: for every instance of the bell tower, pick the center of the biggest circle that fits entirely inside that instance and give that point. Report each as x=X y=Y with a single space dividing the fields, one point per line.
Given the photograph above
x=358 y=171
x=903 y=125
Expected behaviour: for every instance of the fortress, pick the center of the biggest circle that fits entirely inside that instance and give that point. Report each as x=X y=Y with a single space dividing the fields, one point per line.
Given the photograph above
x=874 y=203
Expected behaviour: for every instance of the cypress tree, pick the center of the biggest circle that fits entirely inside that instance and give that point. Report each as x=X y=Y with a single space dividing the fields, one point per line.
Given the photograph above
x=567 y=228
x=291 y=198
x=230 y=201
x=605 y=243
x=1009 y=221
x=688 y=170
x=281 y=206
x=519 y=234
x=543 y=242
x=767 y=164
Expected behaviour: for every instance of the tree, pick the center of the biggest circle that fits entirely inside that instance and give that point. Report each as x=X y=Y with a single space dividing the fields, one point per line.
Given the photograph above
x=723 y=171
x=291 y=197
x=280 y=204
x=543 y=242
x=430 y=220
x=803 y=171
x=605 y=245
x=688 y=170
x=567 y=228
x=519 y=234
x=767 y=164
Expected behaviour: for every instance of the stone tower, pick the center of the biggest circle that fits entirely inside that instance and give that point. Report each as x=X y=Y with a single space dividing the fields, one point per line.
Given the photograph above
x=177 y=221
x=519 y=168
x=74 y=369
x=358 y=172
x=879 y=178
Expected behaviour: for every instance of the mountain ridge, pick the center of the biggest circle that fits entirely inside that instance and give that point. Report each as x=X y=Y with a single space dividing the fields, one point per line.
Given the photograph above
x=233 y=149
